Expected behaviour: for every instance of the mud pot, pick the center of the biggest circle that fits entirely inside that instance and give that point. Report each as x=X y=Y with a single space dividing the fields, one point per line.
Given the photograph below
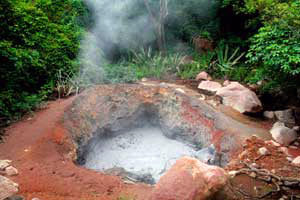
x=117 y=140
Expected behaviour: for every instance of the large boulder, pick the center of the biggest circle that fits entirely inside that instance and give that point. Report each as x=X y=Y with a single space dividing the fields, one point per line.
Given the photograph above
x=209 y=86
x=240 y=98
x=7 y=187
x=189 y=179
x=282 y=134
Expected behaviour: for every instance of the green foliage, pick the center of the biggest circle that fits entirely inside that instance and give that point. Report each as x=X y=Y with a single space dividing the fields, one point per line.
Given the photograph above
x=148 y=64
x=191 y=18
x=202 y=62
x=220 y=62
x=225 y=60
x=39 y=39
x=276 y=48
x=119 y=73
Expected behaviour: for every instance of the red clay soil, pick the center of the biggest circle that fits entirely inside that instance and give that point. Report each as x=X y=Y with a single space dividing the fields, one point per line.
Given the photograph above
x=244 y=186
x=39 y=150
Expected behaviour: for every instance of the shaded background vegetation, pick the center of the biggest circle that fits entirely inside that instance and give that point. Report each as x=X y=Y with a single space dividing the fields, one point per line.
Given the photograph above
x=253 y=40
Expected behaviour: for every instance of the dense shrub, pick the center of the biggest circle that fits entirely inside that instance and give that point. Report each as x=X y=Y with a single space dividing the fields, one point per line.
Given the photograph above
x=38 y=39
x=274 y=49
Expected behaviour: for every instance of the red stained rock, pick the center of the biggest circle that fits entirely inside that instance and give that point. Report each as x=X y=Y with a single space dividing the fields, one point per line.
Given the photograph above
x=189 y=179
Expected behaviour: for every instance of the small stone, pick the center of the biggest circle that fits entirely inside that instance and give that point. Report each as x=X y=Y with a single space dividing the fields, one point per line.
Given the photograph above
x=4 y=164
x=11 y=171
x=252 y=174
x=296 y=143
x=180 y=90
x=35 y=198
x=226 y=83
x=296 y=161
x=273 y=171
x=232 y=174
x=202 y=97
x=254 y=165
x=284 y=150
x=203 y=76
x=254 y=137
x=296 y=128
x=263 y=151
x=144 y=79
x=269 y=114
x=271 y=142
x=290 y=159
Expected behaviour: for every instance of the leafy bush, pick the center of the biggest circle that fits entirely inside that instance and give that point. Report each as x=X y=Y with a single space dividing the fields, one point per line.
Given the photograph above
x=39 y=39
x=277 y=49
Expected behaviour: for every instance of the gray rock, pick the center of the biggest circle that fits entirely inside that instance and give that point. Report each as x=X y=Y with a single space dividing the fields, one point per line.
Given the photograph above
x=269 y=114
x=7 y=187
x=207 y=155
x=285 y=116
x=11 y=171
x=263 y=151
x=4 y=164
x=283 y=135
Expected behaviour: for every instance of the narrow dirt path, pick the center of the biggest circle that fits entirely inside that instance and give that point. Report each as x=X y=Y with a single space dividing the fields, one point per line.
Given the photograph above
x=39 y=149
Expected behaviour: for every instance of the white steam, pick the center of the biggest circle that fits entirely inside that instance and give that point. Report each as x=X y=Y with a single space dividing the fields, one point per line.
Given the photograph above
x=117 y=26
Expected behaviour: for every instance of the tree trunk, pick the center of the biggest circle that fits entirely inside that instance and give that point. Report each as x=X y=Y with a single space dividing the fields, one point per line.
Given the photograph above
x=158 y=23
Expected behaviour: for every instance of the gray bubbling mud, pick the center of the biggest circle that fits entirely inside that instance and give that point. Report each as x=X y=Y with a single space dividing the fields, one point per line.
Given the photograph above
x=141 y=151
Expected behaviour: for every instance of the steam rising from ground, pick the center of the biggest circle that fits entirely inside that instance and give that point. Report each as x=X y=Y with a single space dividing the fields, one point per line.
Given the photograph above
x=116 y=28
x=122 y=25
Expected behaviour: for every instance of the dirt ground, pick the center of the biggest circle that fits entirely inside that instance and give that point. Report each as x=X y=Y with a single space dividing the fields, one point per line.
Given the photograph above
x=35 y=145
x=39 y=149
